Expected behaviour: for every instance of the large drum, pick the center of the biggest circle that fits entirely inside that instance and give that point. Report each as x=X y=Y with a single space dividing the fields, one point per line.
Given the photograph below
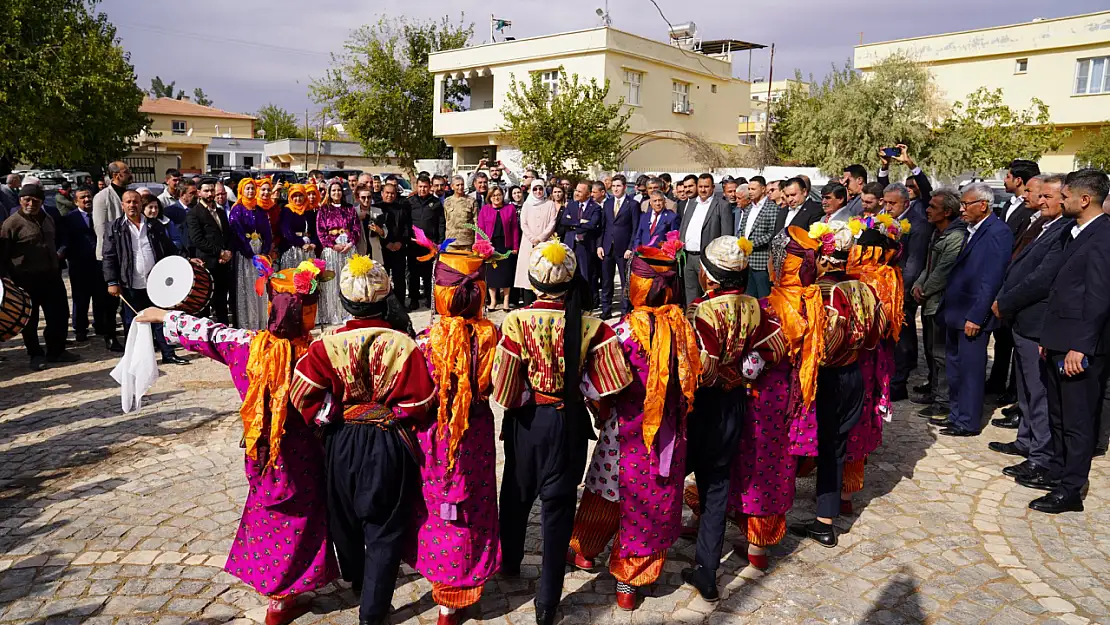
x=176 y=283
x=15 y=309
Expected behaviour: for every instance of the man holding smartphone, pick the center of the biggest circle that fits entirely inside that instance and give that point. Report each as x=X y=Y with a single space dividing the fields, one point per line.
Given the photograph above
x=495 y=175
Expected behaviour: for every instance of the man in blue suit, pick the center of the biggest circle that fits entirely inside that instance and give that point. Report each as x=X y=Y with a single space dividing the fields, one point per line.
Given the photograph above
x=619 y=217
x=77 y=246
x=654 y=224
x=581 y=225
x=1021 y=306
x=972 y=287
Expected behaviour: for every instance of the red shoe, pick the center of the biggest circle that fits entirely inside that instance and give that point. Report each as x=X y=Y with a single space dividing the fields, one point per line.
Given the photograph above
x=579 y=562
x=626 y=597
x=760 y=562
x=453 y=618
x=846 y=507
x=286 y=615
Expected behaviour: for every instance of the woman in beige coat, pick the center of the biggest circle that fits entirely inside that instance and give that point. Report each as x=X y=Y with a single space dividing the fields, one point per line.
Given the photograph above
x=537 y=223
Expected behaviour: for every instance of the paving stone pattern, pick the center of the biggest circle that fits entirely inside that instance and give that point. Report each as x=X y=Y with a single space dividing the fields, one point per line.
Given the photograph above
x=108 y=518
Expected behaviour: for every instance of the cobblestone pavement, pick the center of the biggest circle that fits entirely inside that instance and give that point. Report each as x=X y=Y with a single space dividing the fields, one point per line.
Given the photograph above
x=126 y=519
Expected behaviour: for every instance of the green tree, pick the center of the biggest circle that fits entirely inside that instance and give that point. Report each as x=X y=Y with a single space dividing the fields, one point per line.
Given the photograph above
x=159 y=89
x=848 y=116
x=1096 y=150
x=278 y=123
x=382 y=92
x=983 y=135
x=565 y=133
x=67 y=88
x=201 y=98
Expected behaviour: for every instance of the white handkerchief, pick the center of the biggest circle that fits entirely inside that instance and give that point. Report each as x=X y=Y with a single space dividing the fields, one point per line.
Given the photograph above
x=137 y=370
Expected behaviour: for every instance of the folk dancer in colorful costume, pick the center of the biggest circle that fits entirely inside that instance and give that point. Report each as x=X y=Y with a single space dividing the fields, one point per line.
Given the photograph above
x=268 y=202
x=854 y=319
x=367 y=385
x=634 y=480
x=297 y=224
x=874 y=262
x=253 y=237
x=458 y=546
x=281 y=549
x=339 y=229
x=550 y=357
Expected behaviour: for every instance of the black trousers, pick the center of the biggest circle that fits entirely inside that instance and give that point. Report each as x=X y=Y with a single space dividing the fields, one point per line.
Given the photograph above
x=905 y=352
x=1073 y=412
x=140 y=300
x=420 y=279
x=217 y=309
x=839 y=406
x=395 y=267
x=612 y=263
x=372 y=484
x=712 y=435
x=88 y=286
x=47 y=293
x=1003 y=355
x=545 y=457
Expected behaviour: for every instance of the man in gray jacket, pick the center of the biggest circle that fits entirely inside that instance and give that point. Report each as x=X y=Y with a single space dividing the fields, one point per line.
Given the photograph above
x=108 y=203
x=707 y=217
x=949 y=233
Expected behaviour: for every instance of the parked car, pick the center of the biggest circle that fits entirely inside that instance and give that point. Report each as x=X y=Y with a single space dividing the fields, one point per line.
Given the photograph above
x=406 y=188
x=1001 y=195
x=286 y=176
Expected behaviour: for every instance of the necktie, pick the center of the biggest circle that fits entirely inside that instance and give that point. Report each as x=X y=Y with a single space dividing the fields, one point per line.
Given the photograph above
x=654 y=217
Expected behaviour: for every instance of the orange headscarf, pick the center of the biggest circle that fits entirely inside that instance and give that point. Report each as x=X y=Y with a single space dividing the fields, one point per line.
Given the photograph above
x=242 y=198
x=801 y=312
x=267 y=203
x=313 y=195
x=450 y=348
x=295 y=189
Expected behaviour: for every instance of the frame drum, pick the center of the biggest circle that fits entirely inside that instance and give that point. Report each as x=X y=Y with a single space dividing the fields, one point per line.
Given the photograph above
x=176 y=283
x=15 y=309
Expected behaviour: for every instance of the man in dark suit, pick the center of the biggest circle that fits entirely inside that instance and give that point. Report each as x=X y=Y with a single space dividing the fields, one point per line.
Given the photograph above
x=915 y=252
x=799 y=209
x=398 y=234
x=426 y=213
x=1021 y=305
x=654 y=225
x=706 y=217
x=211 y=237
x=1073 y=342
x=690 y=188
x=86 y=274
x=620 y=218
x=581 y=225
x=1017 y=217
x=966 y=309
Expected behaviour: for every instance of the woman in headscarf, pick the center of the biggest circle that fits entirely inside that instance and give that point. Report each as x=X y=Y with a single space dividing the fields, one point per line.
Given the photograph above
x=281 y=549
x=373 y=221
x=152 y=209
x=338 y=227
x=516 y=197
x=538 y=217
x=458 y=546
x=499 y=223
x=297 y=225
x=269 y=201
x=253 y=237
x=634 y=480
x=874 y=262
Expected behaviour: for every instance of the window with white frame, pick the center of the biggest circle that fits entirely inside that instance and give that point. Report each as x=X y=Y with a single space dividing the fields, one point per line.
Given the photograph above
x=180 y=127
x=1021 y=66
x=550 y=81
x=1092 y=76
x=680 y=96
x=632 y=81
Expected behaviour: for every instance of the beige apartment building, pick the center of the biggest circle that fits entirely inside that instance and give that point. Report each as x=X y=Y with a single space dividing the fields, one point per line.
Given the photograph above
x=672 y=89
x=180 y=135
x=1064 y=61
x=754 y=124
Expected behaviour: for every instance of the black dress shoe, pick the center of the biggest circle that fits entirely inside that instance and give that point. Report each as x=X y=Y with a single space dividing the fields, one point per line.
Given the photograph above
x=414 y=305
x=1007 y=398
x=933 y=410
x=923 y=389
x=112 y=345
x=1038 y=481
x=1009 y=423
x=1010 y=449
x=1099 y=452
x=545 y=616
x=1024 y=469
x=957 y=431
x=381 y=620
x=898 y=393
x=1010 y=411
x=81 y=337
x=63 y=357
x=941 y=420
x=822 y=533
x=707 y=588
x=173 y=359
x=923 y=400
x=1055 y=503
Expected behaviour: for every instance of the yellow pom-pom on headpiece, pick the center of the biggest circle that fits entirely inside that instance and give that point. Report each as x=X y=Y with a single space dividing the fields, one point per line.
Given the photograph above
x=309 y=266
x=360 y=265
x=857 y=226
x=744 y=245
x=818 y=229
x=555 y=254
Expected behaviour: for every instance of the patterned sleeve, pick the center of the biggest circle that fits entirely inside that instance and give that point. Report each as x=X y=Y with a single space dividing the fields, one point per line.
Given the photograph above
x=509 y=388
x=607 y=368
x=413 y=390
x=217 y=341
x=314 y=385
x=879 y=328
x=769 y=341
x=705 y=329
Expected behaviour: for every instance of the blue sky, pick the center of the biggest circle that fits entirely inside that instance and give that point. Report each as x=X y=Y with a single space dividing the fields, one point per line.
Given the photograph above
x=246 y=53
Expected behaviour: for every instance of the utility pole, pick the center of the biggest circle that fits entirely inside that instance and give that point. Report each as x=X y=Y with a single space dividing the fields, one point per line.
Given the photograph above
x=306 y=140
x=767 y=113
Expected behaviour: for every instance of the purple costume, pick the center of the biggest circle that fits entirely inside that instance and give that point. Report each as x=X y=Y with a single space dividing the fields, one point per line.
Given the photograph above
x=281 y=548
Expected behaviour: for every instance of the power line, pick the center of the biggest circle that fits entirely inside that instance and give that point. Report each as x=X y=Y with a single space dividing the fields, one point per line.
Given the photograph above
x=697 y=57
x=221 y=40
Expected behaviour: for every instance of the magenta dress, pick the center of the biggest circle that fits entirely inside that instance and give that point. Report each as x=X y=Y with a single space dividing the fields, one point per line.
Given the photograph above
x=876 y=367
x=281 y=548
x=648 y=482
x=763 y=473
x=458 y=543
